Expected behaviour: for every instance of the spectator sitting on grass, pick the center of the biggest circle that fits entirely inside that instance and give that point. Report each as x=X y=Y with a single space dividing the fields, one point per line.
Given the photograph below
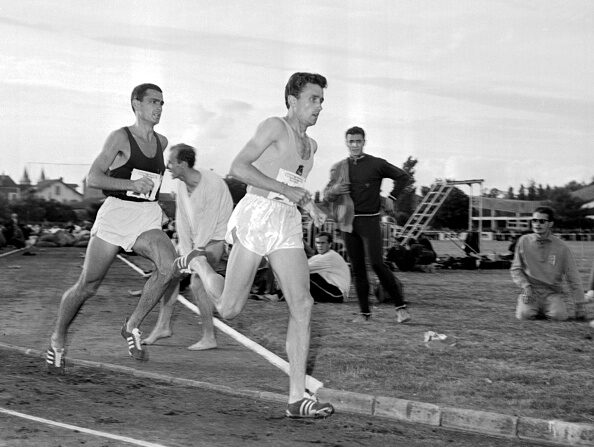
x=329 y=274
x=541 y=261
x=423 y=252
x=15 y=233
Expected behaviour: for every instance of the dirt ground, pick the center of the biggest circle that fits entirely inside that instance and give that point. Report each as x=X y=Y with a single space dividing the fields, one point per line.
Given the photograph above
x=157 y=412
x=177 y=416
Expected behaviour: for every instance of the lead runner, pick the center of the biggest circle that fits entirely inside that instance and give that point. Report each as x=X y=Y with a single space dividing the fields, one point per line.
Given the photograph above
x=266 y=222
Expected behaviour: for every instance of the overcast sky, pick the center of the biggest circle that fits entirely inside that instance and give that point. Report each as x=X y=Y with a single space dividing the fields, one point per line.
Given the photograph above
x=499 y=90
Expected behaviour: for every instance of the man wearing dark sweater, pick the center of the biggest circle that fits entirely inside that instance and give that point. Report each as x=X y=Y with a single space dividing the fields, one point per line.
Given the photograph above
x=362 y=185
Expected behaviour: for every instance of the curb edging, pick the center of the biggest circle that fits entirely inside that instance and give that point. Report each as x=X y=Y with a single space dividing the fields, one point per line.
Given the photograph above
x=553 y=432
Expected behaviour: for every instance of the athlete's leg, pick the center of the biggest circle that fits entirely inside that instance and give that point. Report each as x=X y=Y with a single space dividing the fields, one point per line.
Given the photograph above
x=290 y=266
x=157 y=247
x=98 y=258
x=162 y=328
x=214 y=252
x=229 y=294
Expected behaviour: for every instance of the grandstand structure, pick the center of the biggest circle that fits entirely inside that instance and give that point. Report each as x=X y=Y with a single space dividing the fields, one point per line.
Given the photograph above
x=503 y=215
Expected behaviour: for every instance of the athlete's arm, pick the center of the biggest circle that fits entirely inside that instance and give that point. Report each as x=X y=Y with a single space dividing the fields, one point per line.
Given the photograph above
x=98 y=177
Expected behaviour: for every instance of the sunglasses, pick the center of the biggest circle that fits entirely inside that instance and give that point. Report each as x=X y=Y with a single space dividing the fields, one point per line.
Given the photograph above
x=540 y=221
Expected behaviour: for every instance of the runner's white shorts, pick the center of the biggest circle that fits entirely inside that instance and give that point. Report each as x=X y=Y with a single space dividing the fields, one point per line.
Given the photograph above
x=120 y=222
x=263 y=225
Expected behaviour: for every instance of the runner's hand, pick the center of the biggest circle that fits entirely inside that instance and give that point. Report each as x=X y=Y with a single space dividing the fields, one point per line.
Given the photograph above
x=143 y=185
x=318 y=216
x=296 y=195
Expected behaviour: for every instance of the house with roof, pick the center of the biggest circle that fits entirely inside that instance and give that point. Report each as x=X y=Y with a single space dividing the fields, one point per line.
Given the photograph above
x=57 y=190
x=9 y=190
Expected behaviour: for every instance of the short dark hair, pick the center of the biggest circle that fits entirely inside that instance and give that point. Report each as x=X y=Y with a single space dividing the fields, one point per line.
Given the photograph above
x=185 y=153
x=298 y=81
x=139 y=92
x=546 y=210
x=355 y=130
x=325 y=233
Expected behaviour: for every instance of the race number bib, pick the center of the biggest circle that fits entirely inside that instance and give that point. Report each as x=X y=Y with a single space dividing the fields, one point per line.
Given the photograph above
x=156 y=178
x=288 y=178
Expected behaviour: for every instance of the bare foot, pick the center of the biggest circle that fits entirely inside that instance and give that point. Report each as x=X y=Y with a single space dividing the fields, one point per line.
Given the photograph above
x=203 y=345
x=156 y=335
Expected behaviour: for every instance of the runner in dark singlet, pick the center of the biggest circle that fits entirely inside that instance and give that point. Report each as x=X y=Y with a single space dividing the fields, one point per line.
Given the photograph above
x=129 y=170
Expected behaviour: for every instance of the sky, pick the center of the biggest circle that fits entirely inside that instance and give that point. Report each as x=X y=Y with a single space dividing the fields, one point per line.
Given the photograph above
x=495 y=90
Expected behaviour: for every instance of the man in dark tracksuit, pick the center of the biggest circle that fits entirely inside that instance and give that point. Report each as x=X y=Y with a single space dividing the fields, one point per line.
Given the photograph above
x=365 y=175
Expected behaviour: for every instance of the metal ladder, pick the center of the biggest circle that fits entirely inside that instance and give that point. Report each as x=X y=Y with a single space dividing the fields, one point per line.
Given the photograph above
x=425 y=211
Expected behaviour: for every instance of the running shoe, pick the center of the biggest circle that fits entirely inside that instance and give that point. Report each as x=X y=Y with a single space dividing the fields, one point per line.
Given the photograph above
x=309 y=408
x=134 y=345
x=55 y=360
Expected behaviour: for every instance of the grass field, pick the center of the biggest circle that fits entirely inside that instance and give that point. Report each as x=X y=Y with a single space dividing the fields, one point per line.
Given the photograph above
x=489 y=361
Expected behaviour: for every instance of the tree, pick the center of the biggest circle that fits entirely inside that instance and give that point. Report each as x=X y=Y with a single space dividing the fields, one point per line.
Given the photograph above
x=4 y=209
x=510 y=193
x=569 y=213
x=531 y=190
x=574 y=186
x=492 y=193
x=453 y=213
x=521 y=193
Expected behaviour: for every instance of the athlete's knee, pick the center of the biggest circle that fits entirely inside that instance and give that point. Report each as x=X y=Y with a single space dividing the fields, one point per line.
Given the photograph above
x=230 y=311
x=83 y=289
x=301 y=307
x=166 y=272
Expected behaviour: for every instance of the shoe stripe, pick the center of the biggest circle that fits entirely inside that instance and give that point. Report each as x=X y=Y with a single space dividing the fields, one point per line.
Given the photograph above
x=55 y=358
x=306 y=407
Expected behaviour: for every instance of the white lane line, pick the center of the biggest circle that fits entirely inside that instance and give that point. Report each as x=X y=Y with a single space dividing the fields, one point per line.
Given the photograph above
x=134 y=266
x=311 y=383
x=11 y=252
x=81 y=429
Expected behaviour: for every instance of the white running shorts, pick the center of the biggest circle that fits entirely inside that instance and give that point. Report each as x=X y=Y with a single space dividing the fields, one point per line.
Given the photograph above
x=120 y=222
x=263 y=225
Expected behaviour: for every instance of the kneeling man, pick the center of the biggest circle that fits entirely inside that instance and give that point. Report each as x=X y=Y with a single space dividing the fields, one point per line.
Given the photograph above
x=541 y=263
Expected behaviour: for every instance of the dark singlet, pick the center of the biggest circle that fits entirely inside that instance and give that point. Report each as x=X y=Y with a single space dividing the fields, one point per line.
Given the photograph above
x=139 y=161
